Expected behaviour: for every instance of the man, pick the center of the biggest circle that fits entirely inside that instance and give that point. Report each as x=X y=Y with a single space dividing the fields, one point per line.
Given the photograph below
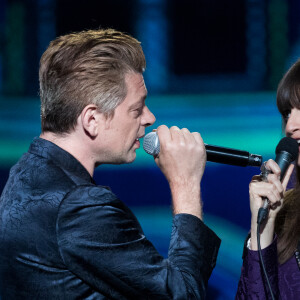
x=64 y=237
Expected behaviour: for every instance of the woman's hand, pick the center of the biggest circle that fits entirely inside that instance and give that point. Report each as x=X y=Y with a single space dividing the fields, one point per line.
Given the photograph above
x=272 y=189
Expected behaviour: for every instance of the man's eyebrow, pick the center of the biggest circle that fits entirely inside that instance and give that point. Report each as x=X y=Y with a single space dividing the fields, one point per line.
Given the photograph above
x=139 y=103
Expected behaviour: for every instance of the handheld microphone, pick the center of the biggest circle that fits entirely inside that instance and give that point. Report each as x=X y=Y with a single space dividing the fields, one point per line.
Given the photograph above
x=214 y=153
x=286 y=152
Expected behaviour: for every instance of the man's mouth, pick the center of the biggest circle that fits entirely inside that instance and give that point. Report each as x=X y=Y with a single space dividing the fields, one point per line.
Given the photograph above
x=137 y=142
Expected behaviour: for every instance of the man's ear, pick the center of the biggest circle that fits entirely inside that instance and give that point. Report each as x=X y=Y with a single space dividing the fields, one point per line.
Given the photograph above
x=90 y=118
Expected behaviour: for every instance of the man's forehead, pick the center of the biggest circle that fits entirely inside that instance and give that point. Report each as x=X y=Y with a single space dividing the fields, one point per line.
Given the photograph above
x=136 y=84
x=137 y=78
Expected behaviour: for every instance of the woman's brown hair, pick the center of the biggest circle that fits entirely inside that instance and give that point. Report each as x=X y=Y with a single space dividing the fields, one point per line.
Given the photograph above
x=287 y=225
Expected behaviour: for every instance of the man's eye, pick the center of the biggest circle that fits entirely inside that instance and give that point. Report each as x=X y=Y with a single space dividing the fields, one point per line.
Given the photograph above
x=139 y=111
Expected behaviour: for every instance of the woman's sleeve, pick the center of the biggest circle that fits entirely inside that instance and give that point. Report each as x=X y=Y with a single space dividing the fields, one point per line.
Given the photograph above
x=252 y=283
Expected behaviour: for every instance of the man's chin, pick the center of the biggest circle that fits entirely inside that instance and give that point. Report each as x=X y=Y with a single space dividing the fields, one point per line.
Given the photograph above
x=131 y=160
x=127 y=160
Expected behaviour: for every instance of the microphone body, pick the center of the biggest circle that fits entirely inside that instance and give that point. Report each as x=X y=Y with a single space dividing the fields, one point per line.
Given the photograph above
x=286 y=152
x=284 y=159
x=231 y=156
x=214 y=153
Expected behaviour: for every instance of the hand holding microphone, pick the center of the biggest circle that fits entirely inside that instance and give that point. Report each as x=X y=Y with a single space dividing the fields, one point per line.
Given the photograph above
x=286 y=152
x=214 y=153
x=266 y=191
x=181 y=153
x=182 y=160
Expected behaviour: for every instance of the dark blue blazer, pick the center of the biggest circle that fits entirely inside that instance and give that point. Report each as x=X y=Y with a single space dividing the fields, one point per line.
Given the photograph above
x=64 y=237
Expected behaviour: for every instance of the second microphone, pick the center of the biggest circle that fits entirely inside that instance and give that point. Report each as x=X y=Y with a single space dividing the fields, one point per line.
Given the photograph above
x=214 y=153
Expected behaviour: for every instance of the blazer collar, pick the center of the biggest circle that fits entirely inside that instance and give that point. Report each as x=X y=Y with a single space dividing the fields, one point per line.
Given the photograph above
x=60 y=157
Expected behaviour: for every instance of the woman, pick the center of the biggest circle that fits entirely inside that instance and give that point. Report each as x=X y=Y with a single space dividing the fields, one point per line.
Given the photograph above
x=280 y=232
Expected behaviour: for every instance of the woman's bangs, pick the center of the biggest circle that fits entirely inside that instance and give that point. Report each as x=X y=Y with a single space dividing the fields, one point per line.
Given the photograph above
x=288 y=93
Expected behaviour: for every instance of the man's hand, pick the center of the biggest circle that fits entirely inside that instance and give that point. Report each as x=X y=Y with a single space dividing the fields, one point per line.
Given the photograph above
x=182 y=160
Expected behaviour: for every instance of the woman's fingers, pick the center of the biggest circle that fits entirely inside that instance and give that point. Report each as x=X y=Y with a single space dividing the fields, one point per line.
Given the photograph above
x=287 y=176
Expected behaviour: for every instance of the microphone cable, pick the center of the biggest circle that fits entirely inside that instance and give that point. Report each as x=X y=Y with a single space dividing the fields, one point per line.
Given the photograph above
x=262 y=215
x=262 y=261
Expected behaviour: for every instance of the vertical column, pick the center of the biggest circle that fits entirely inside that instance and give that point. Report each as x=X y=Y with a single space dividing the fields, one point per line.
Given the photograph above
x=293 y=17
x=256 y=42
x=13 y=63
x=278 y=40
x=2 y=42
x=40 y=30
x=46 y=24
x=152 y=31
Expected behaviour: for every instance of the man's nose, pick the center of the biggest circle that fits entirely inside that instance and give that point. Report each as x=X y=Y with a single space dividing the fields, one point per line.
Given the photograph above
x=148 y=117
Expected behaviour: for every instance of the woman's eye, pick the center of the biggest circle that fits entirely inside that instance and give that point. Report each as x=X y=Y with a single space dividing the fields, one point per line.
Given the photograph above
x=286 y=115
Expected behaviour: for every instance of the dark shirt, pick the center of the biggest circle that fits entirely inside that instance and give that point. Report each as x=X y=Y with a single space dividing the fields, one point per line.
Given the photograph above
x=64 y=237
x=284 y=278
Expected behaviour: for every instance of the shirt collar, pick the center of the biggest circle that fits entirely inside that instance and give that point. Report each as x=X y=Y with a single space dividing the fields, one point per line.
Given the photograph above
x=60 y=157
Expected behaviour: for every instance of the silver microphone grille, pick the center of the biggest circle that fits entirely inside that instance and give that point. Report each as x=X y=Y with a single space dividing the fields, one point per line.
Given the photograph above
x=151 y=143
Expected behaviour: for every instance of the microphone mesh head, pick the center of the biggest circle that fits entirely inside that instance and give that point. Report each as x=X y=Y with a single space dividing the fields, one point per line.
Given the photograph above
x=289 y=145
x=151 y=143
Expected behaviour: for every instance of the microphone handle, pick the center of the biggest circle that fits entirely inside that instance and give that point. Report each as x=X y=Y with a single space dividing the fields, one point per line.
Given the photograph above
x=232 y=156
x=283 y=159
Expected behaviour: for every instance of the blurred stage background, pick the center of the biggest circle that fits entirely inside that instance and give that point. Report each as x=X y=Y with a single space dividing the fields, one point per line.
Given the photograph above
x=212 y=66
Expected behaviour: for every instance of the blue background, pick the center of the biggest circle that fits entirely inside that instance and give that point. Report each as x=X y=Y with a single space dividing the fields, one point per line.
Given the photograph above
x=212 y=66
